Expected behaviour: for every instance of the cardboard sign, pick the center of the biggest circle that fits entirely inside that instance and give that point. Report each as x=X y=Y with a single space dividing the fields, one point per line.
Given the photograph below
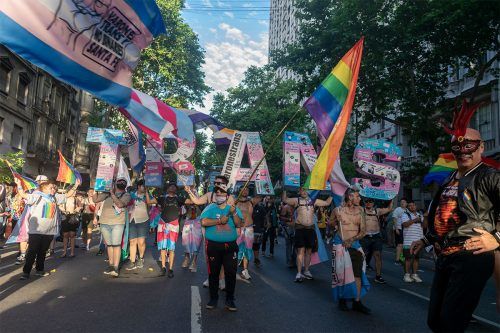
x=247 y=142
x=384 y=180
x=153 y=173
x=109 y=140
x=297 y=150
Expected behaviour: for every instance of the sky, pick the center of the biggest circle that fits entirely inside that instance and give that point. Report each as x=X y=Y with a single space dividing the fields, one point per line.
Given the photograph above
x=234 y=35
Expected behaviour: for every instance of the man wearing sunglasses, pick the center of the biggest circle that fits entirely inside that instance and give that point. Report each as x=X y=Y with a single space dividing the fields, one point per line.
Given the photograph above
x=461 y=226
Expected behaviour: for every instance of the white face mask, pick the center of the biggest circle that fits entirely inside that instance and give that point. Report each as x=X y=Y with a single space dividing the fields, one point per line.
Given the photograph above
x=219 y=199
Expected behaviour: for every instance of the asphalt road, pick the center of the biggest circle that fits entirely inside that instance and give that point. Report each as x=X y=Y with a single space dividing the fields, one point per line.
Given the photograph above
x=78 y=297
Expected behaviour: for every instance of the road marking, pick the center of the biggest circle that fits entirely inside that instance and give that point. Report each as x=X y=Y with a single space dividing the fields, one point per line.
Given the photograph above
x=195 y=310
x=1 y=292
x=478 y=318
x=20 y=266
x=6 y=254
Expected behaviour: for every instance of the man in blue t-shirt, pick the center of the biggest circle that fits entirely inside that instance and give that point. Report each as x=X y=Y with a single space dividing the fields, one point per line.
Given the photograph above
x=220 y=221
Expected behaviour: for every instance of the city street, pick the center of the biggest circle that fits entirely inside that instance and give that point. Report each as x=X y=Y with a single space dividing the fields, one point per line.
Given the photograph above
x=78 y=297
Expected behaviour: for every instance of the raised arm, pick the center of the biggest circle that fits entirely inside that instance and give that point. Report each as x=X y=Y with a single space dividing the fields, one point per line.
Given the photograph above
x=193 y=199
x=150 y=200
x=383 y=211
x=287 y=200
x=323 y=203
x=21 y=191
x=72 y=191
x=120 y=202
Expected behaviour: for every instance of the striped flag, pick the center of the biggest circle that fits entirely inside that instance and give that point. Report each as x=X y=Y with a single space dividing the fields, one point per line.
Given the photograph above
x=136 y=152
x=94 y=45
x=67 y=173
x=222 y=134
x=331 y=105
x=27 y=183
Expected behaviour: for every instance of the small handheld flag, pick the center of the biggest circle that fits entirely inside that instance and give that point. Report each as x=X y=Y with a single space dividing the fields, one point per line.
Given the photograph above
x=67 y=173
x=27 y=183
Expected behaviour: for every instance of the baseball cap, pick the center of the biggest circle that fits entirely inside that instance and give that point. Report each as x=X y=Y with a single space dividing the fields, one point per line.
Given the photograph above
x=41 y=179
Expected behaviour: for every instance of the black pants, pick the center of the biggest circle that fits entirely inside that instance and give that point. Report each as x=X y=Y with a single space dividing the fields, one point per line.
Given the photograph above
x=218 y=255
x=37 y=248
x=271 y=234
x=458 y=282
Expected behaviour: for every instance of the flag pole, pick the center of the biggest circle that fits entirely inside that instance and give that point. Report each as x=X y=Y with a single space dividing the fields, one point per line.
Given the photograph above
x=267 y=151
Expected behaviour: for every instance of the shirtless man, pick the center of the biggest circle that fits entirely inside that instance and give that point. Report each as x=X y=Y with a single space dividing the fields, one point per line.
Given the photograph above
x=245 y=240
x=372 y=242
x=350 y=222
x=304 y=229
x=205 y=199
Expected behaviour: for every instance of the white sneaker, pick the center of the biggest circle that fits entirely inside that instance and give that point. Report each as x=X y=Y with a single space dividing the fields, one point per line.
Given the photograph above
x=416 y=278
x=185 y=262
x=407 y=278
x=205 y=283
x=307 y=275
x=222 y=284
x=245 y=274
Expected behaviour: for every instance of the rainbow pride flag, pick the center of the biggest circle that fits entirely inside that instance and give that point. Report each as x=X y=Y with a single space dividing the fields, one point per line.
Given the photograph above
x=330 y=106
x=67 y=173
x=446 y=164
x=27 y=183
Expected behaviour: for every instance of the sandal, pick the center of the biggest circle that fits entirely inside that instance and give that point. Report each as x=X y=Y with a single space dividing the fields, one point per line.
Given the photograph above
x=62 y=255
x=71 y=256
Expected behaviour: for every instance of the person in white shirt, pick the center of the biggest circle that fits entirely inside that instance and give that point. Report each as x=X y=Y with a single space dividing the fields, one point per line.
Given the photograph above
x=398 y=233
x=411 y=222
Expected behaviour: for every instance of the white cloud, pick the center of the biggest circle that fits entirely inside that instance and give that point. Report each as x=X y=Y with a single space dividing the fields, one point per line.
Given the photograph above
x=229 y=14
x=233 y=33
x=247 y=5
x=264 y=23
x=252 y=13
x=227 y=61
x=221 y=4
x=186 y=5
x=213 y=30
x=207 y=3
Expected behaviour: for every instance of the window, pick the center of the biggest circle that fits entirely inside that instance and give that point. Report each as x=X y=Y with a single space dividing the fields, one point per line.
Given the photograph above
x=5 y=70
x=16 y=140
x=22 y=88
x=483 y=122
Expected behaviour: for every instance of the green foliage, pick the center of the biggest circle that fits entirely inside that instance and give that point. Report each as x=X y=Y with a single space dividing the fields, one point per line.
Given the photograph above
x=16 y=159
x=261 y=103
x=411 y=47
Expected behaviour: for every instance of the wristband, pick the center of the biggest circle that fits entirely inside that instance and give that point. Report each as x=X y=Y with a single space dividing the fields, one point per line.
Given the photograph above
x=496 y=234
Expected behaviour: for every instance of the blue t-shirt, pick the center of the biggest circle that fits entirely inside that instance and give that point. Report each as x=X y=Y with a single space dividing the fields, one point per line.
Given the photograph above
x=223 y=232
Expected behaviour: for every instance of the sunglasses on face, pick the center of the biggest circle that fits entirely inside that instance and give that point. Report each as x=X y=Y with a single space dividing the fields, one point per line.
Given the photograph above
x=465 y=147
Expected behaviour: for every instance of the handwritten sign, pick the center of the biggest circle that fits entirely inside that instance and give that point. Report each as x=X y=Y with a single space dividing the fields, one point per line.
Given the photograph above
x=384 y=180
x=109 y=141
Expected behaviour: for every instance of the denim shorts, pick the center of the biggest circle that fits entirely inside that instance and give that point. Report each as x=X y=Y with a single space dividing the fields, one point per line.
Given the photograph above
x=138 y=230
x=112 y=234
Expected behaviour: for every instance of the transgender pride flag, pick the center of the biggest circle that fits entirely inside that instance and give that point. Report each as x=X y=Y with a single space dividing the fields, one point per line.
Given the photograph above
x=91 y=44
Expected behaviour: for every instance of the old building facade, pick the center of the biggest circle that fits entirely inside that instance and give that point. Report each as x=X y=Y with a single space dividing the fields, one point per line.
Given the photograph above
x=40 y=115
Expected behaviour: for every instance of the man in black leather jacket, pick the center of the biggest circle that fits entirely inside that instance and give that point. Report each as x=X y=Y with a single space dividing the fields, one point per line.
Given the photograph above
x=462 y=219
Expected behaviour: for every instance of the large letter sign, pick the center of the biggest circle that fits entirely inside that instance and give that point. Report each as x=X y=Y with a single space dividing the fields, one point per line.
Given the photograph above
x=233 y=171
x=109 y=140
x=298 y=150
x=387 y=176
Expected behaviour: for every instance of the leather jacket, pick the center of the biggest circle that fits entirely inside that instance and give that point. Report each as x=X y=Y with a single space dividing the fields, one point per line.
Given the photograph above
x=478 y=202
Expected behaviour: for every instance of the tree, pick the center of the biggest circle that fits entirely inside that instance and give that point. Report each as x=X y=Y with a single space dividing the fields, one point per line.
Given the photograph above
x=15 y=159
x=411 y=48
x=262 y=103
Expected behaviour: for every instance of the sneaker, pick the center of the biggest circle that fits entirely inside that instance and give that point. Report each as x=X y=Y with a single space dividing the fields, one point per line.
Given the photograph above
x=212 y=304
x=222 y=284
x=397 y=263
x=307 y=275
x=163 y=271
x=114 y=273
x=230 y=305
x=343 y=305
x=193 y=268
x=48 y=253
x=206 y=283
x=170 y=273
x=185 y=262
x=299 y=278
x=379 y=279
x=24 y=276
x=109 y=270
x=131 y=266
x=245 y=275
x=99 y=253
x=359 y=307
x=140 y=263
x=42 y=273
x=20 y=259
x=407 y=278
x=416 y=278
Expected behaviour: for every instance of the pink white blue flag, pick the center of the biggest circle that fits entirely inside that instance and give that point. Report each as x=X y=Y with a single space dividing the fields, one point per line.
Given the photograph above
x=91 y=44
x=136 y=152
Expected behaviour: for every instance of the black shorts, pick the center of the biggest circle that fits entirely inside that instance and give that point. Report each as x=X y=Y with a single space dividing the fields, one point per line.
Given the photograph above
x=305 y=238
x=257 y=240
x=398 y=238
x=87 y=219
x=357 y=261
x=69 y=227
x=372 y=243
